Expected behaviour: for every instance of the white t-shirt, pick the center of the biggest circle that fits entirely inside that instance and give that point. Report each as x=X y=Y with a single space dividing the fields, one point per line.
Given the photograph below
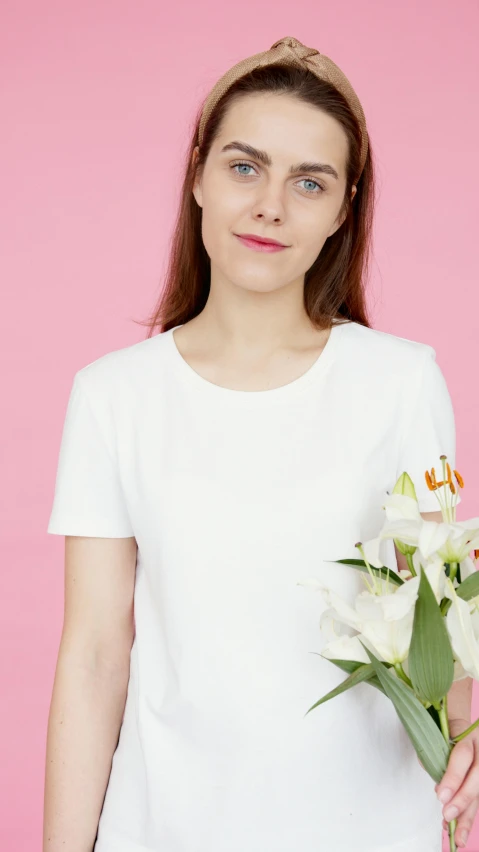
x=234 y=497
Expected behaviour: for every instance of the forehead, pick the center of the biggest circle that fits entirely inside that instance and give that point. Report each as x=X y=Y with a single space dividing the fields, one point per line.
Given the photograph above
x=287 y=128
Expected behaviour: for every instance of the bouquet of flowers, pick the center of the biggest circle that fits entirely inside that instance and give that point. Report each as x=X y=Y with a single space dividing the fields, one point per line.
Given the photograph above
x=416 y=630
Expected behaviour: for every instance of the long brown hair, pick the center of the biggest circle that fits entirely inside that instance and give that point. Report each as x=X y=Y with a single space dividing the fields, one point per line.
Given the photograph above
x=334 y=286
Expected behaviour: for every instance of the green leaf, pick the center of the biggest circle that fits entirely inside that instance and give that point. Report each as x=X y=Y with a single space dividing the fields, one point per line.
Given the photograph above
x=430 y=659
x=430 y=745
x=383 y=572
x=362 y=673
x=350 y=666
x=469 y=588
x=372 y=681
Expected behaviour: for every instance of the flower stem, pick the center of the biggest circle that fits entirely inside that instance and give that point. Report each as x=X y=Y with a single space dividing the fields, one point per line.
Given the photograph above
x=444 y=722
x=445 y=605
x=402 y=674
x=453 y=570
x=411 y=564
x=466 y=732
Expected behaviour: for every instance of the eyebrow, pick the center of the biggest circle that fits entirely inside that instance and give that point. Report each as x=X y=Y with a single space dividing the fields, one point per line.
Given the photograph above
x=263 y=157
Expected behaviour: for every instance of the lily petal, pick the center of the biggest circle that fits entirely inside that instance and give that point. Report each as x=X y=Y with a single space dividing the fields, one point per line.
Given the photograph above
x=404 y=529
x=432 y=537
x=436 y=574
x=471 y=524
x=346 y=648
x=391 y=639
x=372 y=551
x=400 y=507
x=388 y=607
x=345 y=612
x=460 y=628
x=467 y=567
x=331 y=626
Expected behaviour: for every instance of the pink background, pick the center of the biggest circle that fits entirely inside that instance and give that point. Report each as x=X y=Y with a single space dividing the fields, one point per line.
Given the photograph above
x=96 y=104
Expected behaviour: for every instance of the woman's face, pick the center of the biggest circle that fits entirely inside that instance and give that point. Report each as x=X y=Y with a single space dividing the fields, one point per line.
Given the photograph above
x=254 y=191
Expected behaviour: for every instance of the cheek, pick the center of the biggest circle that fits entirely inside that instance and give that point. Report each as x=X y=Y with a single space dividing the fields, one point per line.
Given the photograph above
x=216 y=226
x=222 y=201
x=313 y=236
x=315 y=228
x=223 y=212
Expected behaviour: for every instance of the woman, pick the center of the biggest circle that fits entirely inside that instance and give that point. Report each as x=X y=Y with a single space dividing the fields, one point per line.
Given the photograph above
x=208 y=469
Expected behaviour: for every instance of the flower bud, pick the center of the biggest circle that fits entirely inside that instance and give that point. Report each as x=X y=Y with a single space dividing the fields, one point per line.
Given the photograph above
x=405 y=486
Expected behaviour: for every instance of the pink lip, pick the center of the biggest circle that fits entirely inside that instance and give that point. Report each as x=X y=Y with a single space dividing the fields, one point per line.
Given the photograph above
x=258 y=245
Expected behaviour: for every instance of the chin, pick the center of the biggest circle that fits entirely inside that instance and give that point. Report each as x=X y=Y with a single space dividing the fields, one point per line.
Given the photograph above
x=256 y=284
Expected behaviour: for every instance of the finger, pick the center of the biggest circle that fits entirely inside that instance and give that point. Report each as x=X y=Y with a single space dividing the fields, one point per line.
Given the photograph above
x=459 y=828
x=465 y=823
x=465 y=795
x=460 y=761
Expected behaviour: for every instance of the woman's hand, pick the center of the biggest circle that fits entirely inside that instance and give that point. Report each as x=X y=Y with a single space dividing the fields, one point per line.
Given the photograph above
x=461 y=779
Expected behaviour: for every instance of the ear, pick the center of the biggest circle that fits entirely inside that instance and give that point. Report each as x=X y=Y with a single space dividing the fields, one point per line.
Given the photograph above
x=197 y=183
x=338 y=223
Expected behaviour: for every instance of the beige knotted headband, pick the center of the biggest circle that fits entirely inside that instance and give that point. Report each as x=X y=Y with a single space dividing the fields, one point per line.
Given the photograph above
x=290 y=51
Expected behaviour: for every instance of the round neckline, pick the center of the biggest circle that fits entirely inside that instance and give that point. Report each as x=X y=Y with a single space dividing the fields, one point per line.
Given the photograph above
x=262 y=397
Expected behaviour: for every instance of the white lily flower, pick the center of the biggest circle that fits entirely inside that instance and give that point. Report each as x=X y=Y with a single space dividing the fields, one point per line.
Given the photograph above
x=406 y=531
x=399 y=507
x=436 y=574
x=452 y=541
x=433 y=567
x=462 y=622
x=373 y=551
x=467 y=567
x=340 y=645
x=434 y=570
x=445 y=489
x=344 y=613
x=387 y=620
x=384 y=620
x=388 y=607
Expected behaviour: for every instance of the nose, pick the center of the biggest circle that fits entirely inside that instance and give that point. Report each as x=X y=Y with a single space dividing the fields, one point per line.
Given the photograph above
x=269 y=206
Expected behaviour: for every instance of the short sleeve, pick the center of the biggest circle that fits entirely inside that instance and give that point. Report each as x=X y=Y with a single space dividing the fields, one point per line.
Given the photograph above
x=428 y=432
x=88 y=498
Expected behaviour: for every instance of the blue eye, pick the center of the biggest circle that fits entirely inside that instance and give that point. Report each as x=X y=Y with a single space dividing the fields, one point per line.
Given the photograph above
x=310 y=181
x=245 y=165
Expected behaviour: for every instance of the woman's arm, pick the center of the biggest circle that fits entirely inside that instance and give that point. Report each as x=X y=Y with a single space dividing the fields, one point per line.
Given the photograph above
x=90 y=688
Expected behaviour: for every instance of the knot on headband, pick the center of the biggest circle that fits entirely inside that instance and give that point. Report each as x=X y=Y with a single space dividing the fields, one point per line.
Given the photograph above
x=290 y=51
x=298 y=51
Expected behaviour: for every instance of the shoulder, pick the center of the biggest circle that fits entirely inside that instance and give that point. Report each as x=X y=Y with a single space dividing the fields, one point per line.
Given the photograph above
x=126 y=368
x=383 y=353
